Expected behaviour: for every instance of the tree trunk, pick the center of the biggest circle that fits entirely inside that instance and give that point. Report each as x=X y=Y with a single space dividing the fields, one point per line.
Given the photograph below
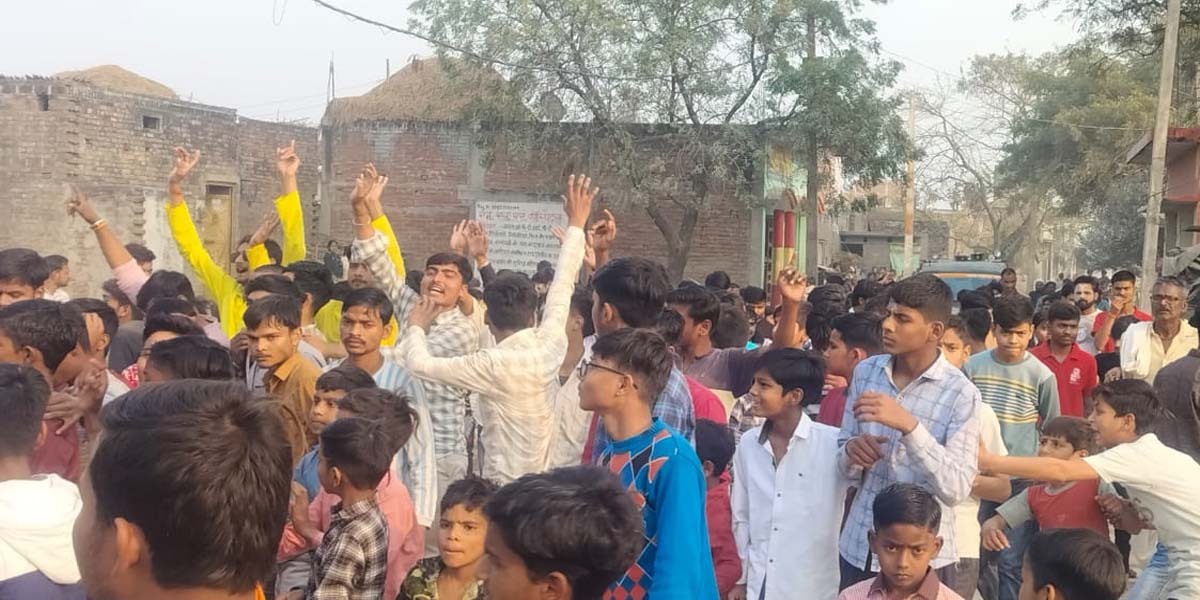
x=679 y=241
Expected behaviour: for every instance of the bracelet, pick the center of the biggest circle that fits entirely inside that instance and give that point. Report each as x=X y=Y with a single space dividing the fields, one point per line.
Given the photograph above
x=98 y=224
x=358 y=223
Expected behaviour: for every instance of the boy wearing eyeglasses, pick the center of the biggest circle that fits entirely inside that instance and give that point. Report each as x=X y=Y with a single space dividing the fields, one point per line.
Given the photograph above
x=629 y=369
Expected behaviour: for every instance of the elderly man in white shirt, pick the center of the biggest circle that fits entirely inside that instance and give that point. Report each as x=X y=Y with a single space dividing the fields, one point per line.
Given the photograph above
x=1148 y=347
x=517 y=378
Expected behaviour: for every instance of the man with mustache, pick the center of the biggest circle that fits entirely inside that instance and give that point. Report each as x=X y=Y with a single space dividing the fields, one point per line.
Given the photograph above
x=1085 y=295
x=1148 y=347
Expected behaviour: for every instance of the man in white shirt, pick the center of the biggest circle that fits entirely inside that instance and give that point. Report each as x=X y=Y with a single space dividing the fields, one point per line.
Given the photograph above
x=517 y=378
x=788 y=496
x=1086 y=295
x=1148 y=347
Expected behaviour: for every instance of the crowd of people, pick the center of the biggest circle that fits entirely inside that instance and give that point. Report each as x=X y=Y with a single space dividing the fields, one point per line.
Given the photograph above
x=591 y=431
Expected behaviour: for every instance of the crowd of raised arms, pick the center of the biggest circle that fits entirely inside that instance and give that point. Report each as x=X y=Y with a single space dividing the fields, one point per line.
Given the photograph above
x=353 y=429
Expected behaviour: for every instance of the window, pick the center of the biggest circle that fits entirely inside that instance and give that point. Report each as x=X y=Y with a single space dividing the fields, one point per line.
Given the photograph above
x=151 y=122
x=43 y=99
x=219 y=190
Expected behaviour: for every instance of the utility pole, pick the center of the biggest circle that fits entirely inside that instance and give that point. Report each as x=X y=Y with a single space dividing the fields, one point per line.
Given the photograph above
x=1158 y=155
x=910 y=192
x=813 y=230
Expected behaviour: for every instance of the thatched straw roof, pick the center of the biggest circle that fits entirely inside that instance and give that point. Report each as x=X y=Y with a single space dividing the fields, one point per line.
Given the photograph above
x=430 y=90
x=118 y=79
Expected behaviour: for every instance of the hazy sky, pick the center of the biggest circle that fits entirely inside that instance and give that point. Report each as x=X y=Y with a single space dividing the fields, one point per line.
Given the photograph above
x=270 y=58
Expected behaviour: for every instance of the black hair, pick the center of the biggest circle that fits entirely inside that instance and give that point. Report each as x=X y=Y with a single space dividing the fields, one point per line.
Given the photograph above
x=926 y=293
x=702 y=305
x=860 y=330
x=1088 y=280
x=281 y=310
x=732 y=329
x=269 y=269
x=452 y=258
x=817 y=326
x=371 y=298
x=829 y=300
x=314 y=280
x=1063 y=310
x=413 y=280
x=101 y=309
x=392 y=409
x=1008 y=271
x=171 y=306
x=346 y=378
x=471 y=492
x=718 y=280
x=1081 y=564
x=273 y=284
x=543 y=275
x=181 y=454
x=577 y=521
x=23 y=265
x=1076 y=431
x=1121 y=325
x=956 y=325
x=23 y=397
x=1012 y=311
x=795 y=369
x=635 y=287
x=159 y=322
x=753 y=294
x=192 y=357
x=670 y=326
x=1040 y=316
x=640 y=353
x=581 y=304
x=206 y=306
x=53 y=329
x=274 y=252
x=715 y=444
x=511 y=302
x=1131 y=397
x=54 y=262
x=878 y=305
x=165 y=284
x=968 y=299
x=906 y=504
x=865 y=290
x=361 y=448
x=113 y=290
x=1123 y=275
x=977 y=323
x=140 y=253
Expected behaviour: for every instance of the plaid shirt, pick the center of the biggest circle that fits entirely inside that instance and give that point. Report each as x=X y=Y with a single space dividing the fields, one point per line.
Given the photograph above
x=941 y=454
x=452 y=334
x=673 y=407
x=351 y=562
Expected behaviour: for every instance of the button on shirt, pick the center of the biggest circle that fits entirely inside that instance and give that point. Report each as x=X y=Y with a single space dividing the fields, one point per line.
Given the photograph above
x=786 y=516
x=941 y=453
x=1143 y=354
x=516 y=379
x=452 y=334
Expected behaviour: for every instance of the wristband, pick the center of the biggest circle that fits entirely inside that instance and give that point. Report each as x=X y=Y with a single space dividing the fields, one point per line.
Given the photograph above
x=98 y=224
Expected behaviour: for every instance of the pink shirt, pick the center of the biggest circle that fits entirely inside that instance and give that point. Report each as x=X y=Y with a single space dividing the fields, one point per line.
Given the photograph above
x=706 y=404
x=872 y=589
x=406 y=539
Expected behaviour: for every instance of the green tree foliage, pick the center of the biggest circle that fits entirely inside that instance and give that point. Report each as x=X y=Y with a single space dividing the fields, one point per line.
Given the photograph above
x=682 y=91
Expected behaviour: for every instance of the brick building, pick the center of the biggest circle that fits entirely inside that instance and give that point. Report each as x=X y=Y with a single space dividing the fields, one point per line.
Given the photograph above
x=112 y=133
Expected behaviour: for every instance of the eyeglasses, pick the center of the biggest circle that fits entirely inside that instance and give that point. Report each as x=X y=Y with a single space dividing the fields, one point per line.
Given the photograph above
x=588 y=365
x=1167 y=299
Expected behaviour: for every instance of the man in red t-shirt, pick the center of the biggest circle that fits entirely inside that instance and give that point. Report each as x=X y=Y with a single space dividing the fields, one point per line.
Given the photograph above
x=1120 y=298
x=1074 y=369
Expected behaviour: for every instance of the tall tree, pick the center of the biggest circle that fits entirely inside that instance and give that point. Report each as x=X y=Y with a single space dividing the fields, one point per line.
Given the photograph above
x=717 y=78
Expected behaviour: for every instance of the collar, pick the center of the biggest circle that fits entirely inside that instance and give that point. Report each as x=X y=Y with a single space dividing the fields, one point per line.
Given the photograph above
x=930 y=586
x=285 y=369
x=341 y=512
x=447 y=315
x=936 y=371
x=803 y=428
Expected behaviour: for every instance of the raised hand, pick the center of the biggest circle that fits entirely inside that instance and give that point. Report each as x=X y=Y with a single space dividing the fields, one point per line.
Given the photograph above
x=603 y=232
x=287 y=162
x=185 y=161
x=458 y=238
x=362 y=186
x=793 y=285
x=79 y=204
x=265 y=229
x=477 y=241
x=378 y=182
x=578 y=201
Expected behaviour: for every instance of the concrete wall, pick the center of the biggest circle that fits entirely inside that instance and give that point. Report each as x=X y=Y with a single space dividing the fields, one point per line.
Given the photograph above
x=53 y=131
